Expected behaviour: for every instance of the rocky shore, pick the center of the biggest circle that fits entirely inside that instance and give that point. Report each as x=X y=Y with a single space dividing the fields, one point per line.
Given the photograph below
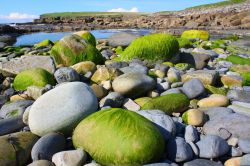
x=155 y=100
x=233 y=17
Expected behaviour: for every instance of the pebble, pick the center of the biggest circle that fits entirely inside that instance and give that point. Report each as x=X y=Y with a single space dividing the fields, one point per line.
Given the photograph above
x=131 y=105
x=191 y=134
x=193 y=88
x=113 y=99
x=66 y=74
x=239 y=95
x=194 y=117
x=215 y=100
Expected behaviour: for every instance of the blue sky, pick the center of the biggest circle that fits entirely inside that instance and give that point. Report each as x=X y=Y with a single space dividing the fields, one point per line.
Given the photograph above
x=26 y=10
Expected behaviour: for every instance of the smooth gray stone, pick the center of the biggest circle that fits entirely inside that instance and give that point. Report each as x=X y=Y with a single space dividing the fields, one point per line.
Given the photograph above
x=179 y=150
x=176 y=84
x=236 y=124
x=245 y=160
x=191 y=134
x=11 y=125
x=239 y=95
x=117 y=65
x=171 y=91
x=107 y=53
x=135 y=68
x=47 y=146
x=193 y=88
x=198 y=60
x=14 y=109
x=216 y=112
x=235 y=152
x=113 y=99
x=121 y=39
x=240 y=107
x=244 y=145
x=161 y=87
x=164 y=122
x=212 y=146
x=66 y=74
x=41 y=163
x=202 y=162
x=162 y=67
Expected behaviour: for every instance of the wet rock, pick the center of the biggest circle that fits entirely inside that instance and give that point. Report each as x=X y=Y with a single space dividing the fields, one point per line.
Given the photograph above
x=193 y=88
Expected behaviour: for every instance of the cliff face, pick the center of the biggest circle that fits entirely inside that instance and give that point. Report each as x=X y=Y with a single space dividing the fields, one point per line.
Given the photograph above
x=219 y=18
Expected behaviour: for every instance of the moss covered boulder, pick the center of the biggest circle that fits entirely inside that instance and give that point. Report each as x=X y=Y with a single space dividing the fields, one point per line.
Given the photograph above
x=168 y=103
x=15 y=148
x=86 y=35
x=44 y=43
x=195 y=34
x=246 y=79
x=235 y=59
x=119 y=137
x=184 y=42
x=156 y=47
x=73 y=49
x=33 y=77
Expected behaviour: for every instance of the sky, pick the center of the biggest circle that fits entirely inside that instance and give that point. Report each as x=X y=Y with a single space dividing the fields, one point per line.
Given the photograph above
x=26 y=10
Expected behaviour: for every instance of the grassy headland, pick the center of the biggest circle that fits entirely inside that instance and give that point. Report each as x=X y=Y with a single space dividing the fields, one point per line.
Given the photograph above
x=223 y=3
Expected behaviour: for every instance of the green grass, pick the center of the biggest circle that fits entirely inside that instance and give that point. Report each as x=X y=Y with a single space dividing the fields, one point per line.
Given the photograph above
x=79 y=14
x=223 y=3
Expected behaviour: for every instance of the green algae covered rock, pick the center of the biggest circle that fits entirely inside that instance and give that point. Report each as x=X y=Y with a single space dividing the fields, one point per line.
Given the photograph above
x=15 y=148
x=119 y=50
x=184 y=42
x=195 y=34
x=235 y=59
x=119 y=137
x=33 y=77
x=168 y=103
x=86 y=35
x=183 y=66
x=215 y=90
x=246 y=79
x=155 y=47
x=44 y=43
x=73 y=49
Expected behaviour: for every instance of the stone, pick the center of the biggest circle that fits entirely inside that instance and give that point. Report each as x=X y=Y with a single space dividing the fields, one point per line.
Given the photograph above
x=174 y=75
x=92 y=164
x=33 y=77
x=113 y=99
x=232 y=123
x=132 y=68
x=207 y=77
x=171 y=91
x=116 y=65
x=244 y=145
x=26 y=115
x=35 y=92
x=105 y=74
x=47 y=146
x=178 y=150
x=164 y=122
x=215 y=100
x=232 y=81
x=66 y=74
x=193 y=88
x=153 y=94
x=158 y=164
x=176 y=84
x=133 y=85
x=84 y=67
x=15 y=148
x=70 y=158
x=191 y=134
x=131 y=105
x=216 y=112
x=121 y=39
x=239 y=95
x=245 y=160
x=14 y=109
x=18 y=97
x=162 y=86
x=194 y=148
x=212 y=146
x=41 y=163
x=233 y=162
x=17 y=65
x=106 y=84
x=143 y=100
x=240 y=107
x=194 y=117
x=71 y=101
x=235 y=152
x=198 y=60
x=99 y=91
x=233 y=141
x=11 y=125
x=202 y=162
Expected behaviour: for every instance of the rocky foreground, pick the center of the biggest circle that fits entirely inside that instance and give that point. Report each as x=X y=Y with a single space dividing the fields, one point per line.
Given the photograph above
x=155 y=100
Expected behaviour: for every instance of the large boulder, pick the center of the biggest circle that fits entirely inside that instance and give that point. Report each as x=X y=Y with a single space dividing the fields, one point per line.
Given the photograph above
x=156 y=47
x=15 y=66
x=207 y=77
x=195 y=34
x=33 y=77
x=73 y=49
x=62 y=108
x=133 y=84
x=168 y=103
x=15 y=148
x=121 y=39
x=119 y=137
x=86 y=35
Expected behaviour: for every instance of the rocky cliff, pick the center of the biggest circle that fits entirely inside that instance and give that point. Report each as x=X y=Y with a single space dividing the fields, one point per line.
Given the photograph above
x=217 y=18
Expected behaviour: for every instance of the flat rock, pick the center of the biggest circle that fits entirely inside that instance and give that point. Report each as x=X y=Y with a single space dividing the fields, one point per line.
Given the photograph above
x=207 y=77
x=240 y=107
x=121 y=39
x=15 y=66
x=216 y=112
x=239 y=95
x=236 y=124
x=199 y=61
x=193 y=88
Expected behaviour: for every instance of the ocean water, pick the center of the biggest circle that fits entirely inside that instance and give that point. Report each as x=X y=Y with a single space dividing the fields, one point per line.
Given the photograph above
x=33 y=38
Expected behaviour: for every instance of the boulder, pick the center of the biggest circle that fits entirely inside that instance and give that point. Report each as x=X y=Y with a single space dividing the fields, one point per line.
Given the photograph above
x=121 y=39
x=207 y=77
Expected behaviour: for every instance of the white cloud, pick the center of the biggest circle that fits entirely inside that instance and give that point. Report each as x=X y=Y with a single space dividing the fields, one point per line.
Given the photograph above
x=18 y=17
x=134 y=9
